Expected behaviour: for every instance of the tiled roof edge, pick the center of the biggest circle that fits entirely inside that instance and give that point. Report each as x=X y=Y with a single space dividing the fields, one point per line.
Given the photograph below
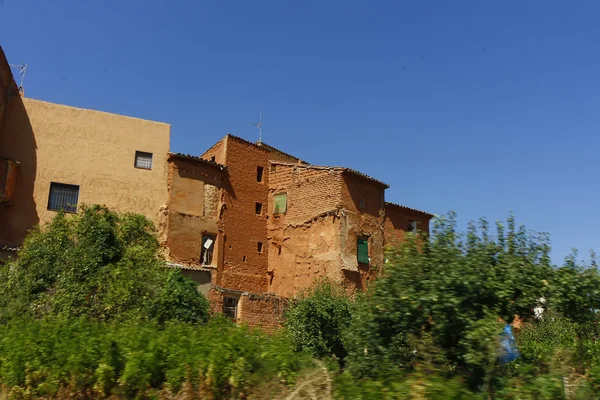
x=387 y=203
x=198 y=159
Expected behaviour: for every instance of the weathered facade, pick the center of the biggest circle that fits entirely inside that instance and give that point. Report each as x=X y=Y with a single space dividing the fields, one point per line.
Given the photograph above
x=249 y=223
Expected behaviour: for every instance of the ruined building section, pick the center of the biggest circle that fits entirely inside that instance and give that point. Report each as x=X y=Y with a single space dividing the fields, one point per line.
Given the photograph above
x=304 y=226
x=400 y=219
x=362 y=228
x=193 y=235
x=323 y=222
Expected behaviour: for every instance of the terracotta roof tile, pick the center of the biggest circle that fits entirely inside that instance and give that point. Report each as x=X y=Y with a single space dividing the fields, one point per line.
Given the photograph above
x=198 y=159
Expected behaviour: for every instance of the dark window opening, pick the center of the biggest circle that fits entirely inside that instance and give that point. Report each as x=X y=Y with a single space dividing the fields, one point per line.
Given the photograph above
x=412 y=226
x=280 y=203
x=63 y=197
x=244 y=259
x=258 y=209
x=230 y=306
x=361 y=203
x=259 y=174
x=212 y=159
x=259 y=247
x=273 y=168
x=143 y=160
x=362 y=250
x=279 y=250
x=206 y=253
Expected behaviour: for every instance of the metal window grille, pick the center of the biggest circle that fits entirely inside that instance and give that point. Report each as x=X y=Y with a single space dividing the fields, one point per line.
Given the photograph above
x=230 y=305
x=280 y=201
x=362 y=246
x=63 y=197
x=143 y=160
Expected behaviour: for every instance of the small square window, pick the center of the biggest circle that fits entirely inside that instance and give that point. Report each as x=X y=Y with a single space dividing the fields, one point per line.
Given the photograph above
x=206 y=252
x=362 y=250
x=259 y=174
x=280 y=203
x=258 y=208
x=63 y=197
x=212 y=159
x=273 y=168
x=412 y=226
x=143 y=160
x=260 y=247
x=230 y=306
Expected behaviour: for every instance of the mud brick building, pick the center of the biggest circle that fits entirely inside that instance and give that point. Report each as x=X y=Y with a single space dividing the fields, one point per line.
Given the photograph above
x=261 y=225
x=250 y=224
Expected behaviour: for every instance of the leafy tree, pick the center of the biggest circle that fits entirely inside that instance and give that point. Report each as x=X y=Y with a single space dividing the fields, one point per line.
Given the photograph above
x=317 y=319
x=101 y=265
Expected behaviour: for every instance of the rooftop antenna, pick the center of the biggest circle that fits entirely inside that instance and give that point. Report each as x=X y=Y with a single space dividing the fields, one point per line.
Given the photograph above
x=259 y=126
x=22 y=71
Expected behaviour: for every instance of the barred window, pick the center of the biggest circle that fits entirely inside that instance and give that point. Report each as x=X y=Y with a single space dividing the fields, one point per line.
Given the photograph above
x=63 y=197
x=143 y=160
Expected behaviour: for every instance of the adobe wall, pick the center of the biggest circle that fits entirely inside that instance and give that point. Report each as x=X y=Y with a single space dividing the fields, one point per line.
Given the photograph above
x=244 y=268
x=193 y=209
x=367 y=222
x=304 y=243
x=92 y=149
x=262 y=310
x=397 y=221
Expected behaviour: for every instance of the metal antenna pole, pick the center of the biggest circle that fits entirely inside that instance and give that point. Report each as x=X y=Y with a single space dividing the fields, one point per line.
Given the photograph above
x=22 y=71
x=259 y=126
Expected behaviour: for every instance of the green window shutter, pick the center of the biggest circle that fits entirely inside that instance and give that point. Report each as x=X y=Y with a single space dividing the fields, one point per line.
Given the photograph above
x=280 y=201
x=362 y=246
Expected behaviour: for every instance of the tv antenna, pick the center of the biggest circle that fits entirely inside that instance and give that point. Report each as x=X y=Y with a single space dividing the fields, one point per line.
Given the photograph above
x=259 y=126
x=22 y=71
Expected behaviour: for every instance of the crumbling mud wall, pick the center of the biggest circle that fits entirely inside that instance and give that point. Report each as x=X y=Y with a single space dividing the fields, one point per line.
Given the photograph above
x=193 y=208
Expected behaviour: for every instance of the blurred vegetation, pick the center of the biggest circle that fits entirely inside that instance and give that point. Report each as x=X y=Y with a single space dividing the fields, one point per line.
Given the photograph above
x=89 y=311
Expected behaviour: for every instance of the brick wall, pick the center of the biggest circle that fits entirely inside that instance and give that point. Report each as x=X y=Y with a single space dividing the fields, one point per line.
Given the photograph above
x=262 y=310
x=244 y=268
x=397 y=219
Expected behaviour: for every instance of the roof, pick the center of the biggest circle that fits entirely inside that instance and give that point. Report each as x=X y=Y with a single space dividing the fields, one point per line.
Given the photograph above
x=276 y=150
x=340 y=169
x=239 y=139
x=197 y=159
x=409 y=208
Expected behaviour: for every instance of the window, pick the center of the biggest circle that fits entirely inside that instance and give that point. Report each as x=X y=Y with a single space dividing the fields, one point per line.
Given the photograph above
x=362 y=250
x=63 y=197
x=143 y=160
x=206 y=253
x=212 y=159
x=280 y=203
x=361 y=203
x=259 y=247
x=259 y=174
x=273 y=168
x=258 y=209
x=230 y=305
x=412 y=226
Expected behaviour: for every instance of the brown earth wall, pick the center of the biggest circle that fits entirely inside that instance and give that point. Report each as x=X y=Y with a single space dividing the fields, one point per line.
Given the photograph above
x=262 y=310
x=244 y=268
x=397 y=220
x=367 y=222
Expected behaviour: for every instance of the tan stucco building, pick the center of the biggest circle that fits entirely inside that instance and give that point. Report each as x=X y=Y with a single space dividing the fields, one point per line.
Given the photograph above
x=68 y=156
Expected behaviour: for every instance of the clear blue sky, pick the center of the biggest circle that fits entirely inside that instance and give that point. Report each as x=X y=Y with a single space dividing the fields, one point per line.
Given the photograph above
x=474 y=106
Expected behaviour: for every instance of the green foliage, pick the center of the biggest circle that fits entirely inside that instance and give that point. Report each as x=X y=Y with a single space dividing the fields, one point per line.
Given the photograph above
x=92 y=359
x=101 y=265
x=317 y=319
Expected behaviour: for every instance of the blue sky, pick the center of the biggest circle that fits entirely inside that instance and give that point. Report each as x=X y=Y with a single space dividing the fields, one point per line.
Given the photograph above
x=477 y=107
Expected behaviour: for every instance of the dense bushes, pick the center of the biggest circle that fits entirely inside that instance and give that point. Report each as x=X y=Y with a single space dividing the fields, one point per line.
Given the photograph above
x=87 y=358
x=97 y=264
